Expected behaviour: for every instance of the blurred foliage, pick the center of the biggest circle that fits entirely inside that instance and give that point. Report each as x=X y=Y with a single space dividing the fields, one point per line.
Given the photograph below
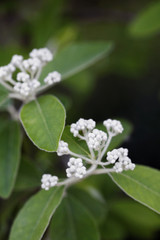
x=134 y=27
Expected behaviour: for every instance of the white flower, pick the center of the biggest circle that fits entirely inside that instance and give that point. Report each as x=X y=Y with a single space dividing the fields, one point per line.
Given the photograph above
x=43 y=54
x=82 y=125
x=53 y=77
x=62 y=148
x=17 y=60
x=76 y=168
x=113 y=126
x=6 y=71
x=123 y=161
x=23 y=77
x=31 y=65
x=26 y=88
x=48 y=181
x=97 y=139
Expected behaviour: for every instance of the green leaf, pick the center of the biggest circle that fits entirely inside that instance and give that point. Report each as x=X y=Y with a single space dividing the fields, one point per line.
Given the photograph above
x=147 y=23
x=75 y=145
x=10 y=142
x=138 y=219
x=43 y=120
x=92 y=200
x=3 y=95
x=35 y=216
x=73 y=222
x=76 y=57
x=141 y=184
x=29 y=175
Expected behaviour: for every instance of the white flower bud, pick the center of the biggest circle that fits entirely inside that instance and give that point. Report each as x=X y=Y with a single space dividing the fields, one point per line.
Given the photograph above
x=76 y=168
x=113 y=126
x=62 y=148
x=48 y=181
x=53 y=77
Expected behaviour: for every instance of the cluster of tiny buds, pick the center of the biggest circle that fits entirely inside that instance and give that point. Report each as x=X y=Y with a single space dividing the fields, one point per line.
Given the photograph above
x=96 y=139
x=27 y=80
x=98 y=142
x=113 y=126
x=62 y=148
x=76 y=168
x=48 y=181
x=121 y=160
x=82 y=125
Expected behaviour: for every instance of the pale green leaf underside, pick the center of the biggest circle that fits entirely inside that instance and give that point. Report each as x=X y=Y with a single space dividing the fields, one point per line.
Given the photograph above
x=43 y=120
x=35 y=216
x=73 y=222
x=147 y=23
x=76 y=57
x=141 y=184
x=10 y=142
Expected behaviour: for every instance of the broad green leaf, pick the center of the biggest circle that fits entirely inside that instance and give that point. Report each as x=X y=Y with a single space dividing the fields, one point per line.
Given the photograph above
x=76 y=57
x=138 y=219
x=142 y=184
x=113 y=229
x=3 y=95
x=73 y=222
x=10 y=144
x=147 y=23
x=92 y=200
x=43 y=120
x=34 y=217
x=29 y=175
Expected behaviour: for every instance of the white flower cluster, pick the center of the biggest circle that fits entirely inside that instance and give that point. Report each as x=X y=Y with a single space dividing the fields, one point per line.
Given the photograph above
x=98 y=142
x=76 y=168
x=6 y=72
x=62 y=148
x=52 y=78
x=113 y=126
x=121 y=160
x=82 y=125
x=27 y=80
x=97 y=139
x=43 y=54
x=48 y=181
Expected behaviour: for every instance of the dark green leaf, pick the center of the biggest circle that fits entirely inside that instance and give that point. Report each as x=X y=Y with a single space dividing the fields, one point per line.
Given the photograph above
x=10 y=142
x=35 y=216
x=3 y=95
x=73 y=222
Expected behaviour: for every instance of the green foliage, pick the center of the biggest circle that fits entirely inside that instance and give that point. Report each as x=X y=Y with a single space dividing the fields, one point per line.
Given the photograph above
x=77 y=57
x=147 y=23
x=29 y=175
x=140 y=220
x=92 y=200
x=43 y=120
x=35 y=216
x=10 y=142
x=142 y=185
x=3 y=95
x=72 y=221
